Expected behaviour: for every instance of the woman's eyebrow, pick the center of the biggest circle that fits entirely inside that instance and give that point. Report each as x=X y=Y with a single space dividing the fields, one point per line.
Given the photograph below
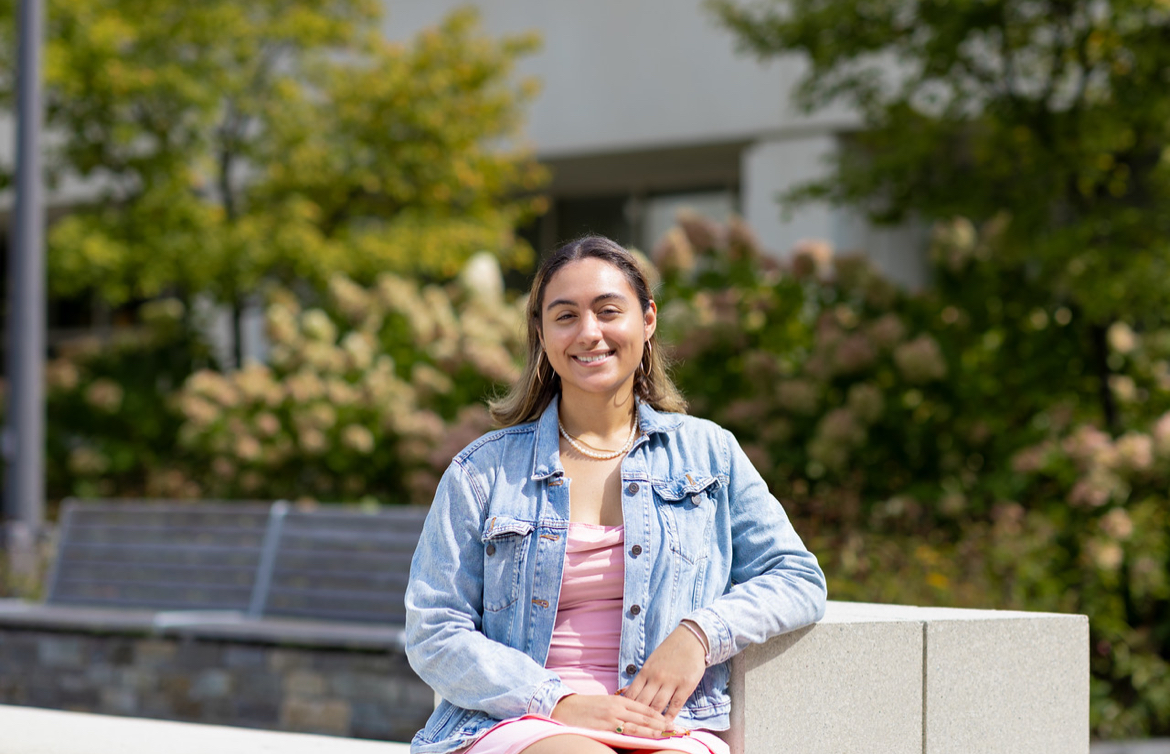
x=596 y=300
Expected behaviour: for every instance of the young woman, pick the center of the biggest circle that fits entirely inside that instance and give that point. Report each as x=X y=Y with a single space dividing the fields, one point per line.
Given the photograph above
x=586 y=572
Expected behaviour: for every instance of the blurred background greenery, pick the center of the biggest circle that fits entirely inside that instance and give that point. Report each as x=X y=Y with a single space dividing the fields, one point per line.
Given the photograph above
x=999 y=438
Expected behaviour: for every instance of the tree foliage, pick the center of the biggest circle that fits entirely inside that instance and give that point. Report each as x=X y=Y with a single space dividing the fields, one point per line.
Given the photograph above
x=223 y=143
x=932 y=446
x=1054 y=114
x=365 y=396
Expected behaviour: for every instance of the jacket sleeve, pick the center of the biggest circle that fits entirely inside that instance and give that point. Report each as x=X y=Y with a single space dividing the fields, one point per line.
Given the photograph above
x=444 y=615
x=776 y=584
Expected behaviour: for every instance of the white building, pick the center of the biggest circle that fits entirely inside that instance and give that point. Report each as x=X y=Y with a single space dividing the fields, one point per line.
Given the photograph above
x=646 y=107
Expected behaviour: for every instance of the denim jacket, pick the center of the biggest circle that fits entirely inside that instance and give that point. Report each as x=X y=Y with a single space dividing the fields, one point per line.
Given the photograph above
x=704 y=540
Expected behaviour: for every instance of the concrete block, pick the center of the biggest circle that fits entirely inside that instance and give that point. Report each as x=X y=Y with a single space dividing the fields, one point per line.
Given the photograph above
x=60 y=652
x=330 y=716
x=194 y=655
x=214 y=683
x=154 y=653
x=365 y=686
x=257 y=685
x=118 y=701
x=281 y=660
x=305 y=684
x=895 y=678
x=850 y=683
x=256 y=712
x=1005 y=682
x=245 y=657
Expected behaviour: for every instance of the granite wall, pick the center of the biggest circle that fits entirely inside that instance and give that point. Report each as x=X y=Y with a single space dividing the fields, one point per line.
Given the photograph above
x=362 y=693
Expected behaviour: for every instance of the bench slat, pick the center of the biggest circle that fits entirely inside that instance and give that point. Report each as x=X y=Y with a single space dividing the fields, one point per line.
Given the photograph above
x=181 y=556
x=271 y=560
x=341 y=565
x=119 y=572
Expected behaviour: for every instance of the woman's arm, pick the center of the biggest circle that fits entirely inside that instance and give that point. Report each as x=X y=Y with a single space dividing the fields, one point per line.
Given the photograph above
x=444 y=609
x=777 y=587
x=777 y=584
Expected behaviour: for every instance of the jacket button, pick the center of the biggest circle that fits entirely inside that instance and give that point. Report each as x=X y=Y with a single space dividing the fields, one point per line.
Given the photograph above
x=635 y=609
x=631 y=669
x=633 y=488
x=636 y=550
x=491 y=550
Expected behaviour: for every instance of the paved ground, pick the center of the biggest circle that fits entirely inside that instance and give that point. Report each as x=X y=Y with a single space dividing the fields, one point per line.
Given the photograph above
x=1152 y=746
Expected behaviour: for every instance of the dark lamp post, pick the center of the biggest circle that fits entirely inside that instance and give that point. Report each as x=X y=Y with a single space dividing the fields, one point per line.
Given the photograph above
x=24 y=435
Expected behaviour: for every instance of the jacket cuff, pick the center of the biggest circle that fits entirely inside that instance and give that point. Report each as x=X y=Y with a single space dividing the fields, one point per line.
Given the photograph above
x=546 y=697
x=722 y=647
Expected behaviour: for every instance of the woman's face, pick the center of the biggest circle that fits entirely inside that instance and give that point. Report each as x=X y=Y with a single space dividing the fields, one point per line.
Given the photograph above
x=593 y=328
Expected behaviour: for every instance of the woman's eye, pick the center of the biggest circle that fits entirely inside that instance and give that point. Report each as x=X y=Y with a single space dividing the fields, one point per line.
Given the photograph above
x=564 y=316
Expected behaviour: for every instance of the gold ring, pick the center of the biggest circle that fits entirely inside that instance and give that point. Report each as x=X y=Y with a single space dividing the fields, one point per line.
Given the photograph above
x=619 y=728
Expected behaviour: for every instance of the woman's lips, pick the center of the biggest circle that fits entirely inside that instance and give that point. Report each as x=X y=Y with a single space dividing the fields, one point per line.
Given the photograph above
x=591 y=359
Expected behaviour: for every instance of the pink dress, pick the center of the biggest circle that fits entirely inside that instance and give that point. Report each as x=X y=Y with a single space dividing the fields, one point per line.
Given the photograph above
x=584 y=649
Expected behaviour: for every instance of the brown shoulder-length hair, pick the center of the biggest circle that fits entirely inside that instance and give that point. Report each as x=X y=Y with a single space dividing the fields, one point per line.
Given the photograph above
x=538 y=384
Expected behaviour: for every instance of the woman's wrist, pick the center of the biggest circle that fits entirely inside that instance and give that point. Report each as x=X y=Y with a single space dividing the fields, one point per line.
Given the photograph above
x=553 y=713
x=697 y=631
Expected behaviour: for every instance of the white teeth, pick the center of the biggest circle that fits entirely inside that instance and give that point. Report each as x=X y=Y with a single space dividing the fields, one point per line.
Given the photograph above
x=591 y=359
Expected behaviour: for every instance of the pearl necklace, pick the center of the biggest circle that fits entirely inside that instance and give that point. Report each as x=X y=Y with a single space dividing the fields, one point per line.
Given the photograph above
x=579 y=446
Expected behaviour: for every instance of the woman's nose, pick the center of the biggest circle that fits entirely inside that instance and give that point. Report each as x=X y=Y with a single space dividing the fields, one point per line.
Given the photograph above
x=590 y=328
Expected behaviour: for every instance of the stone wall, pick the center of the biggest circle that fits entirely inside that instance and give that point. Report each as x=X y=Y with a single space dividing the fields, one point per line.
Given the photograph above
x=365 y=693
x=873 y=678
x=895 y=679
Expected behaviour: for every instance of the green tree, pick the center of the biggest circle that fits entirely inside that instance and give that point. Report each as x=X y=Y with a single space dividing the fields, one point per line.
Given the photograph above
x=228 y=143
x=1053 y=114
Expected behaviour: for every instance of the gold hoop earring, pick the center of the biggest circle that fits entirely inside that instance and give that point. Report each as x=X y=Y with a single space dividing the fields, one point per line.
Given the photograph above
x=647 y=358
x=539 y=357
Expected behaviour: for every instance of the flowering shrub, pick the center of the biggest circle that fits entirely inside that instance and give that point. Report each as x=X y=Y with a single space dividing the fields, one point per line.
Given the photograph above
x=823 y=369
x=366 y=397
x=1099 y=514
x=109 y=428
x=944 y=446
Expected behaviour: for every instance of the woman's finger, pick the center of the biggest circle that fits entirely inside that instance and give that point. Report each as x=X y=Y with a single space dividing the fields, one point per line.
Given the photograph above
x=644 y=726
x=642 y=720
x=635 y=688
x=644 y=694
x=662 y=697
x=674 y=707
x=642 y=713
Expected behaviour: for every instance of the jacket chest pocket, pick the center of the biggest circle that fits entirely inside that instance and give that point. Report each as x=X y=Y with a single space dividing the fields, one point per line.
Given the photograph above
x=505 y=547
x=687 y=508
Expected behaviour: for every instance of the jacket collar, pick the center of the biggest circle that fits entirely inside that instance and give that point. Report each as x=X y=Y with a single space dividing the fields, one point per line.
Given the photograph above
x=546 y=459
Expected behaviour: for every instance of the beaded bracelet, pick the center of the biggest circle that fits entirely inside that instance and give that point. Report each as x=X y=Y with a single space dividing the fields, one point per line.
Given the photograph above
x=702 y=640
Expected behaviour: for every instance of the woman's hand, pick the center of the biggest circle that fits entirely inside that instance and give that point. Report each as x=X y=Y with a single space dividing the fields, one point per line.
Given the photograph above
x=671 y=673
x=612 y=713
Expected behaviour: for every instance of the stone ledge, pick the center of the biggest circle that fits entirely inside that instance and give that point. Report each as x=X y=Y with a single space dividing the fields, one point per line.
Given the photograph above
x=897 y=679
x=210 y=625
x=28 y=730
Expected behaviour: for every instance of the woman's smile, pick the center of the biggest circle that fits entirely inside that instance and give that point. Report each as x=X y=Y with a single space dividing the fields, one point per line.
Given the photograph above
x=593 y=358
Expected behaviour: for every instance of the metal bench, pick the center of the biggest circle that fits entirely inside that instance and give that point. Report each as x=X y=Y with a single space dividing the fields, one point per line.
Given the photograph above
x=260 y=560
x=341 y=565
